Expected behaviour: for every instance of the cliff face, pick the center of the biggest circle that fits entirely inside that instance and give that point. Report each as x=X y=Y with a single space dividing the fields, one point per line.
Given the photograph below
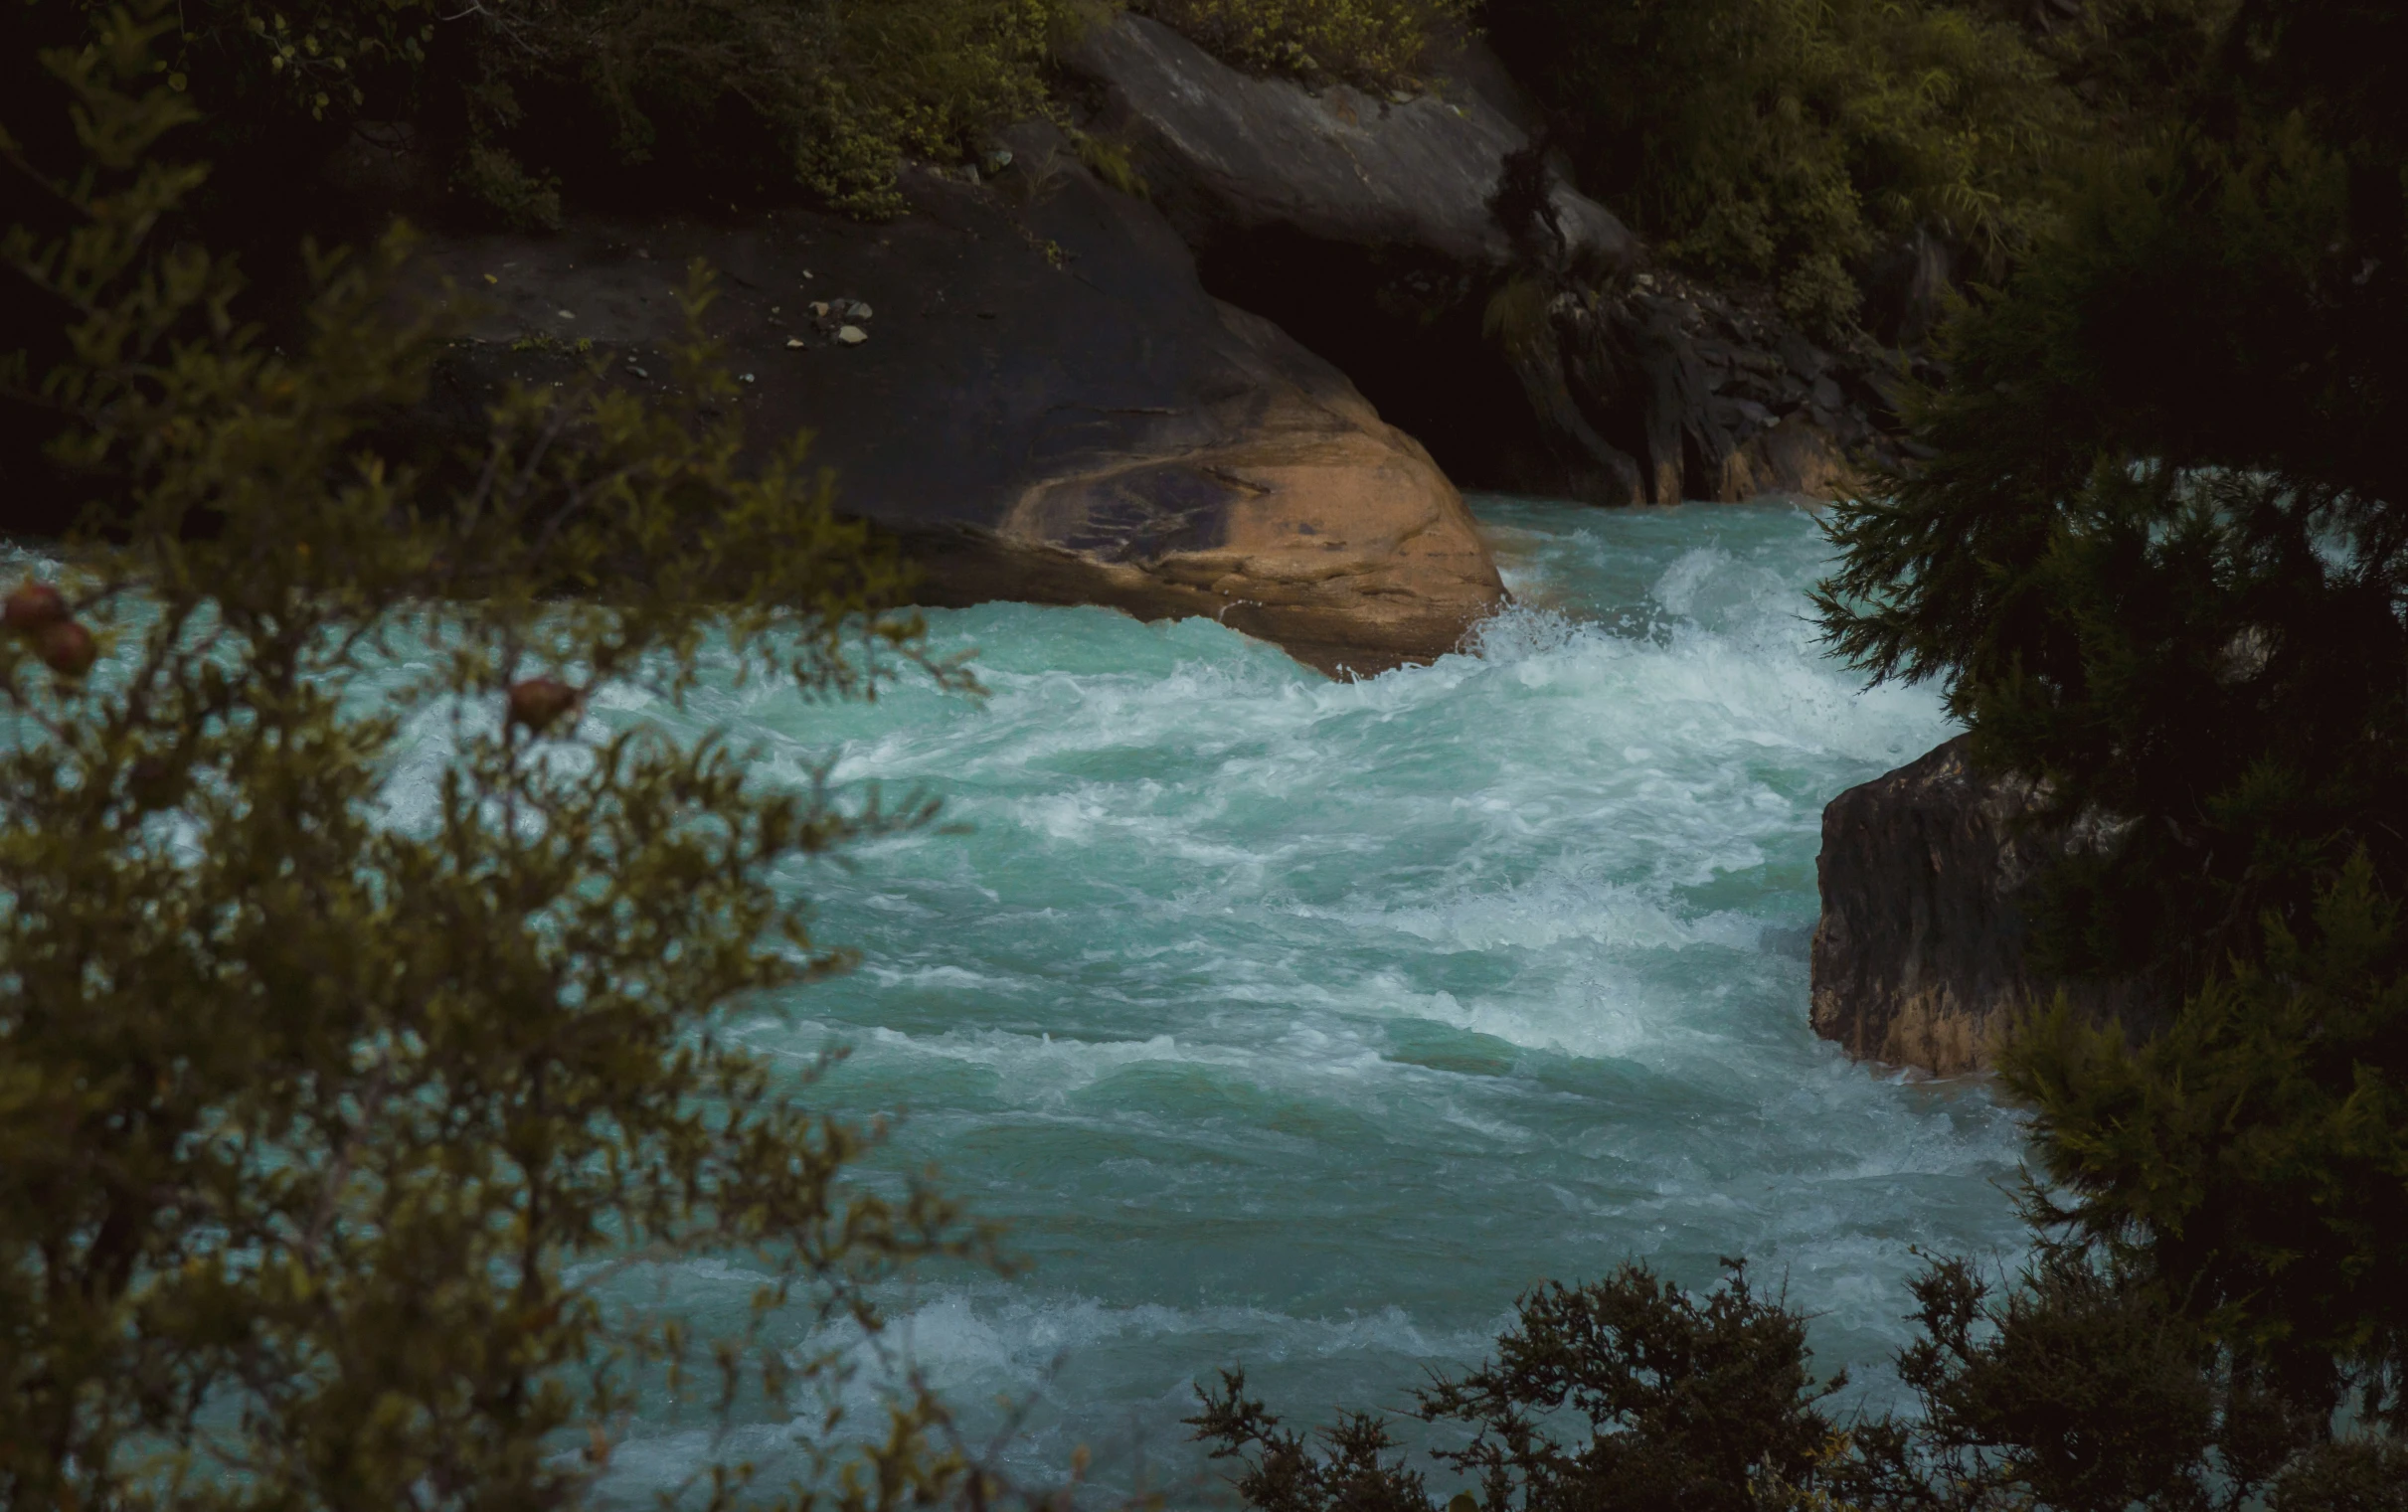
x=1919 y=958
x=1430 y=249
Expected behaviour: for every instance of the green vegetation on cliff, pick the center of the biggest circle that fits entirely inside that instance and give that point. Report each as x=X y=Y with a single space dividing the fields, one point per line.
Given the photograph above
x=1804 y=144
x=1801 y=143
x=712 y=96
x=1381 y=43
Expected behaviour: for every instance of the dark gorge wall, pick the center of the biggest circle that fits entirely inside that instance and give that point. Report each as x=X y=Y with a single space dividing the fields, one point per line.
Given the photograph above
x=1429 y=249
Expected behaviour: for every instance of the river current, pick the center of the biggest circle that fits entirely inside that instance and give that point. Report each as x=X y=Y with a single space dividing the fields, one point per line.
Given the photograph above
x=1303 y=1024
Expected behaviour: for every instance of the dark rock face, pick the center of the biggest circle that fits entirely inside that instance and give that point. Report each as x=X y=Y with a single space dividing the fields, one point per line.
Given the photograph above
x=1227 y=155
x=1720 y=401
x=1919 y=958
x=1037 y=396
x=1427 y=248
x=1365 y=226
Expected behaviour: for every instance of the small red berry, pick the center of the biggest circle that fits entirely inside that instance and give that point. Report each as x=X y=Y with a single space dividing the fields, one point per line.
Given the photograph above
x=539 y=702
x=33 y=605
x=66 y=648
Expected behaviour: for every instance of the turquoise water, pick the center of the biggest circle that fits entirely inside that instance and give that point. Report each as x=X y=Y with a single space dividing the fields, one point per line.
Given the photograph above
x=1303 y=1024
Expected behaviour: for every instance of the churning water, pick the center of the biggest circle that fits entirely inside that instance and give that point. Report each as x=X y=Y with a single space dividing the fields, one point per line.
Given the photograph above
x=1302 y=1024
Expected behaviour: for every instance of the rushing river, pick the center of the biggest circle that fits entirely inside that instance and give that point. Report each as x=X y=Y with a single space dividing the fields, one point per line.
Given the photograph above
x=1303 y=1024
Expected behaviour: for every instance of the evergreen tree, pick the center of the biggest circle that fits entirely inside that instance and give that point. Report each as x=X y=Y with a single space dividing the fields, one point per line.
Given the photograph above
x=2158 y=559
x=2073 y=1389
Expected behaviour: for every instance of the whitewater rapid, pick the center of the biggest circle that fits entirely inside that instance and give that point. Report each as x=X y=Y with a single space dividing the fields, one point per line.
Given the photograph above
x=1302 y=1024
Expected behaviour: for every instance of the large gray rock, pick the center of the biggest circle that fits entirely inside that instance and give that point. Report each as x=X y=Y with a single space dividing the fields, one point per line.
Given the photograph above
x=1919 y=958
x=1427 y=247
x=1226 y=153
x=1380 y=232
x=1047 y=405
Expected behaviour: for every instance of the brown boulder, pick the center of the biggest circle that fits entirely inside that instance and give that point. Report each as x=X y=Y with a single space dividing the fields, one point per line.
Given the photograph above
x=1918 y=960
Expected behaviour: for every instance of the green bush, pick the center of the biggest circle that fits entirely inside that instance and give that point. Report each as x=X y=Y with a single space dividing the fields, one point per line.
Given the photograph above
x=2255 y=1152
x=1377 y=43
x=844 y=87
x=366 y=954
x=1789 y=142
x=2073 y=1389
x=723 y=95
x=1678 y=1403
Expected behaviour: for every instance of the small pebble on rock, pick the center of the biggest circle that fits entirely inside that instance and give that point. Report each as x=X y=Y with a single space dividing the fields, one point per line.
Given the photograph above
x=820 y=308
x=565 y=314
x=794 y=343
x=852 y=335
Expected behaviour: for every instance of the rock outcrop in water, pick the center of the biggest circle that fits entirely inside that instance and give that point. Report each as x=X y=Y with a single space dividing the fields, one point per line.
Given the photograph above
x=1918 y=960
x=1426 y=246
x=1025 y=382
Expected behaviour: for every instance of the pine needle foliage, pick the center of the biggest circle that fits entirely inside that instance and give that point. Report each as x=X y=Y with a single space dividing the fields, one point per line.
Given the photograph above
x=2072 y=1387
x=363 y=1045
x=1678 y=1401
x=1380 y=44
x=2158 y=559
x=2157 y=555
x=2255 y=1154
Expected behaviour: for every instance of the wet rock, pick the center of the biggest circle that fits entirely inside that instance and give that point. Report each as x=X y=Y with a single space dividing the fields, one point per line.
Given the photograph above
x=1919 y=957
x=1054 y=411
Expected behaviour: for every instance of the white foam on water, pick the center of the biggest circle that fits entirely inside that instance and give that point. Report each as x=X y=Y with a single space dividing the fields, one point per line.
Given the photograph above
x=1307 y=1023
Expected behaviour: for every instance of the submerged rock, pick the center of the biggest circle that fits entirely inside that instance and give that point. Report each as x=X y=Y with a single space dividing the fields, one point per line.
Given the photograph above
x=1054 y=411
x=1918 y=960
